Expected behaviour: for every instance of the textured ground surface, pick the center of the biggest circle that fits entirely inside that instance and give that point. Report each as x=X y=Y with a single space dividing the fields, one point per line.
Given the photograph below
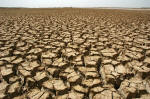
x=74 y=54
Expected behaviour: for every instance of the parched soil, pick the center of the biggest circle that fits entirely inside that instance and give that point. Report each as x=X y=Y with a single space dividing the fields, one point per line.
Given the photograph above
x=72 y=53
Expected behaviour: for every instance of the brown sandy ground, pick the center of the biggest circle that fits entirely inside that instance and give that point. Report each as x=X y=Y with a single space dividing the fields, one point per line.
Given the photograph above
x=74 y=54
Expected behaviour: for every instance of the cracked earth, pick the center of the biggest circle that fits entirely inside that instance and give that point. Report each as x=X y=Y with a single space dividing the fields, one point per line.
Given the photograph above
x=74 y=54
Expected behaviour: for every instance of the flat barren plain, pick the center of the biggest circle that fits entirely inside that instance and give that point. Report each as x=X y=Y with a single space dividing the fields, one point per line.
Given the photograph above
x=72 y=53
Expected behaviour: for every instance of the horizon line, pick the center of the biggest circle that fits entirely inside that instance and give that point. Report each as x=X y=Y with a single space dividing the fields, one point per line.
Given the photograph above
x=78 y=7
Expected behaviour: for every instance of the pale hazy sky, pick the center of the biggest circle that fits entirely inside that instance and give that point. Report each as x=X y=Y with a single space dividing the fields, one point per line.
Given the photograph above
x=74 y=3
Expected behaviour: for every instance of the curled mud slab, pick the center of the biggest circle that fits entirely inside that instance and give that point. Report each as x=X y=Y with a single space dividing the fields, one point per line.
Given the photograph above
x=74 y=54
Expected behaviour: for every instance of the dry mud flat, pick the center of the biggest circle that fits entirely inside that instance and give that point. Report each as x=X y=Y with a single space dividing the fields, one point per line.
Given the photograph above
x=74 y=54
